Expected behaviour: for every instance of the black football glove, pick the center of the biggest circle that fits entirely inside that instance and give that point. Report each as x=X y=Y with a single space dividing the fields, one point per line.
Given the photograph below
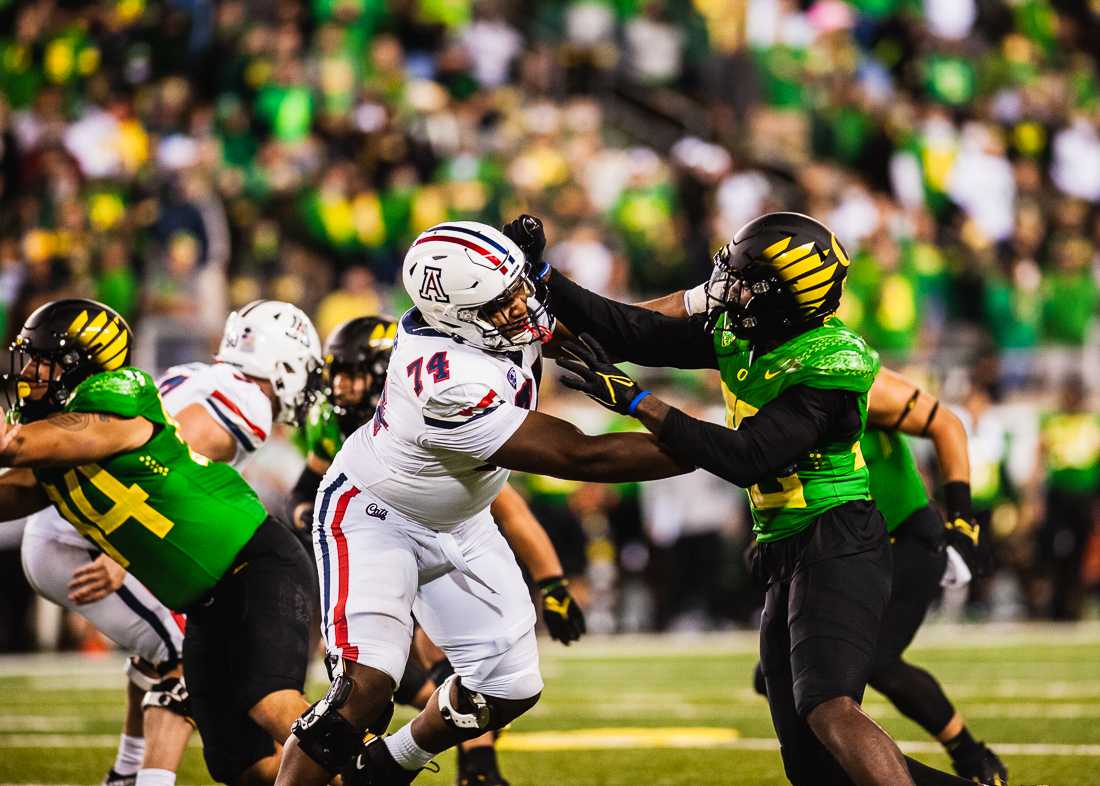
x=563 y=617
x=527 y=233
x=963 y=532
x=597 y=377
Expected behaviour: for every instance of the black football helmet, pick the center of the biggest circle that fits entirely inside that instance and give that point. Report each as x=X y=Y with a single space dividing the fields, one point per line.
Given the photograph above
x=782 y=274
x=358 y=346
x=61 y=344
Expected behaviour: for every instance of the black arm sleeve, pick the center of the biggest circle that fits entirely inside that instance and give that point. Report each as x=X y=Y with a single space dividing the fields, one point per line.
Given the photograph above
x=769 y=441
x=305 y=490
x=632 y=333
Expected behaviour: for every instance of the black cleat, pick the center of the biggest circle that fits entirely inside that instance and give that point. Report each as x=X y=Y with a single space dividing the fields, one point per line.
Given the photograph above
x=375 y=766
x=112 y=778
x=478 y=767
x=981 y=765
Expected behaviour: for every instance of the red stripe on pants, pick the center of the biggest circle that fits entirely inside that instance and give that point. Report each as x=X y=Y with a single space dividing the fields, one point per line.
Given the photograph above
x=339 y=619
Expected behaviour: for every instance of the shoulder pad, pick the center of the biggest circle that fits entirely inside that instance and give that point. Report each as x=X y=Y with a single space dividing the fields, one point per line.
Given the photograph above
x=832 y=356
x=128 y=392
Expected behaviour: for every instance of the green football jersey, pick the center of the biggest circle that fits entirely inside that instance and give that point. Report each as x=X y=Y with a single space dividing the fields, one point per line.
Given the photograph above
x=321 y=434
x=171 y=517
x=827 y=357
x=896 y=486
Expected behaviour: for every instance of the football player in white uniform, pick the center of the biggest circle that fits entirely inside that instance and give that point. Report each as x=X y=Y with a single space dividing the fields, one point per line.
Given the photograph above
x=403 y=526
x=269 y=355
x=356 y=357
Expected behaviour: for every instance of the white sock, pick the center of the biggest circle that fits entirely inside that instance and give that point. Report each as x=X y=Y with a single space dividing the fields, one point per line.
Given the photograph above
x=405 y=751
x=154 y=777
x=130 y=752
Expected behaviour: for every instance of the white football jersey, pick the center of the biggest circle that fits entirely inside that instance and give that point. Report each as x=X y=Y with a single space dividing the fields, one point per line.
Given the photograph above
x=233 y=400
x=446 y=408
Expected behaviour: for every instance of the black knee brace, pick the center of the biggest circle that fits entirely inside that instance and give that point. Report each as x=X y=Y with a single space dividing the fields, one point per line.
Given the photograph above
x=328 y=737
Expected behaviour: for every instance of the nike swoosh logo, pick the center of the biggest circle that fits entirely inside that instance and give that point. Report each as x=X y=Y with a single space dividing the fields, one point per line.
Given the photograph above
x=769 y=374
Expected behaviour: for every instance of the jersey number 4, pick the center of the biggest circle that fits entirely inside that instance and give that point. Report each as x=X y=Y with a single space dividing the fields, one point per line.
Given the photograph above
x=437 y=366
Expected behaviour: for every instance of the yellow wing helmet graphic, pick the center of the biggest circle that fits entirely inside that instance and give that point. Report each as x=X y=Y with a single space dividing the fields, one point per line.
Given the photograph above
x=383 y=334
x=105 y=335
x=814 y=274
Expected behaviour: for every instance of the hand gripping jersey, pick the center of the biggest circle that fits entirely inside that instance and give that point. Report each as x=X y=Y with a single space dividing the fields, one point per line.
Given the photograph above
x=828 y=357
x=235 y=402
x=446 y=408
x=169 y=516
x=896 y=486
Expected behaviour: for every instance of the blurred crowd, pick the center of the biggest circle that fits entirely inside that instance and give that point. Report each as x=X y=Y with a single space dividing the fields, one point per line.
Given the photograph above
x=176 y=158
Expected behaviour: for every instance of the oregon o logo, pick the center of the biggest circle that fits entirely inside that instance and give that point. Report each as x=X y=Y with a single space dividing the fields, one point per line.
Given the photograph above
x=432 y=288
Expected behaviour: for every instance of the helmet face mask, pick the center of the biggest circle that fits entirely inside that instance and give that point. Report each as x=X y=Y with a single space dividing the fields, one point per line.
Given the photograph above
x=468 y=280
x=62 y=344
x=533 y=326
x=36 y=384
x=296 y=391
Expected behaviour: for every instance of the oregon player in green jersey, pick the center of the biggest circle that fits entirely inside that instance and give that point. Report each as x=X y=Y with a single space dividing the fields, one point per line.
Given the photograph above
x=356 y=361
x=90 y=436
x=921 y=544
x=795 y=381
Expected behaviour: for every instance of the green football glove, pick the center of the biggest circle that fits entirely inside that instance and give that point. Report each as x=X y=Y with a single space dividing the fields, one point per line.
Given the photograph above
x=563 y=617
x=598 y=378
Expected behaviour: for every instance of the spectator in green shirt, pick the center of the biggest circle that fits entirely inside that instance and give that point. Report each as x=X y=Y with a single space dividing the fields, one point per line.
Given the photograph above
x=1070 y=295
x=1070 y=444
x=115 y=282
x=1013 y=315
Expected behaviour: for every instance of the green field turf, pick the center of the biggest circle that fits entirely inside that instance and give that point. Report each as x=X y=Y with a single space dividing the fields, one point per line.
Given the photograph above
x=654 y=711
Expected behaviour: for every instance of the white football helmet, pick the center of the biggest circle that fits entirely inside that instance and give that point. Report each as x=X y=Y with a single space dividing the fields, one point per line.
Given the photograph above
x=276 y=341
x=460 y=273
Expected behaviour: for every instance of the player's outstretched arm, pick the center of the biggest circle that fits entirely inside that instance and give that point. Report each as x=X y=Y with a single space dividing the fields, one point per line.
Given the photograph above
x=71 y=438
x=564 y=618
x=633 y=333
x=764 y=444
x=671 y=305
x=546 y=445
x=20 y=494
